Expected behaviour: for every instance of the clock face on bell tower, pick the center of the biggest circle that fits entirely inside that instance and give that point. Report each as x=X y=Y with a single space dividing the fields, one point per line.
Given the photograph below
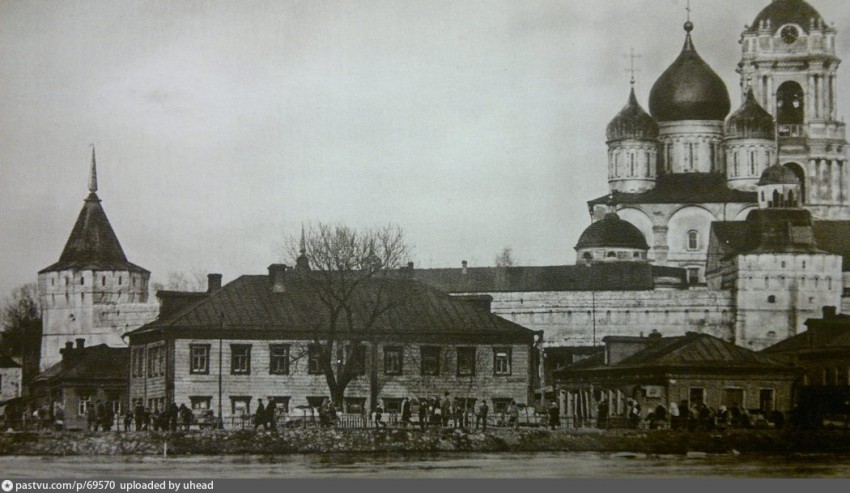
x=790 y=34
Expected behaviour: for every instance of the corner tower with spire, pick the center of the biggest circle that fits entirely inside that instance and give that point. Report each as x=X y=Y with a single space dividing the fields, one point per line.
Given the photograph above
x=93 y=294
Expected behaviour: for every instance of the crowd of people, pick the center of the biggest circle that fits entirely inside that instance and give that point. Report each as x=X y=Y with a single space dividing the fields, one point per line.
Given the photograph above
x=685 y=416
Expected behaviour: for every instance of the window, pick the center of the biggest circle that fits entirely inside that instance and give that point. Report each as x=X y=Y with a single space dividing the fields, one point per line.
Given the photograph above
x=240 y=405
x=502 y=361
x=103 y=280
x=500 y=404
x=392 y=360
x=696 y=396
x=200 y=403
x=156 y=361
x=693 y=275
x=82 y=281
x=733 y=397
x=693 y=240
x=355 y=405
x=199 y=362
x=465 y=361
x=315 y=400
x=240 y=359
x=279 y=359
x=430 y=357
x=357 y=355
x=314 y=359
x=84 y=403
x=281 y=403
x=137 y=363
x=766 y=400
x=771 y=299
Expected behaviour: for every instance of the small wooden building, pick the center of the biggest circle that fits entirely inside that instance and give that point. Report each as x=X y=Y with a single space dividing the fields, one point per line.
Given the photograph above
x=653 y=370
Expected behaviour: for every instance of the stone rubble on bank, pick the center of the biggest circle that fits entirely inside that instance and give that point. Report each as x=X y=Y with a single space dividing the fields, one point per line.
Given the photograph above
x=321 y=441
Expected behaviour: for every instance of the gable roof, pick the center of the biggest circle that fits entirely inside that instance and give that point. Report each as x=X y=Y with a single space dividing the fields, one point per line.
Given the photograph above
x=689 y=352
x=248 y=304
x=613 y=276
x=91 y=364
x=823 y=334
x=92 y=243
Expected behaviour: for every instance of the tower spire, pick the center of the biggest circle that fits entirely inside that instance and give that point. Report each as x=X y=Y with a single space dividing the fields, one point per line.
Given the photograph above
x=93 y=172
x=303 y=243
x=632 y=69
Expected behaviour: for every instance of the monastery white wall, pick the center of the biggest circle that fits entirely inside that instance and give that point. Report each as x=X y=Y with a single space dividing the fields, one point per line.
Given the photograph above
x=567 y=318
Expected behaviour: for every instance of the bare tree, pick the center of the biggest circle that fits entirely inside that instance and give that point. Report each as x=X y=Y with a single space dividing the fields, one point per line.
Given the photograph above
x=195 y=280
x=505 y=258
x=346 y=271
x=20 y=322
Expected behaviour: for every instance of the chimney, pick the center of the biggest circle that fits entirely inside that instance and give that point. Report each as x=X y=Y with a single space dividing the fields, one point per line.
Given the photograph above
x=67 y=350
x=829 y=312
x=277 y=277
x=81 y=343
x=213 y=282
x=408 y=271
x=463 y=265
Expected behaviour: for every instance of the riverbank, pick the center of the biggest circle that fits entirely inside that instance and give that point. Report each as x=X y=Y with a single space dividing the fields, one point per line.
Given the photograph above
x=323 y=441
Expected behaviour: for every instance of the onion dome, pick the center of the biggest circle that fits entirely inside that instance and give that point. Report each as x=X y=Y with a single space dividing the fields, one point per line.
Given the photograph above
x=632 y=122
x=750 y=121
x=778 y=175
x=689 y=89
x=612 y=231
x=781 y=12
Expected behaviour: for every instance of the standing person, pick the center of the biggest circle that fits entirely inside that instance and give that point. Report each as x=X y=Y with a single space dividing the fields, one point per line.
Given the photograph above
x=379 y=415
x=436 y=413
x=128 y=421
x=674 y=416
x=513 y=415
x=423 y=413
x=260 y=416
x=99 y=412
x=146 y=419
x=554 y=416
x=446 y=409
x=405 y=412
x=481 y=415
x=602 y=414
x=139 y=416
x=271 y=415
x=173 y=413
x=634 y=415
x=185 y=417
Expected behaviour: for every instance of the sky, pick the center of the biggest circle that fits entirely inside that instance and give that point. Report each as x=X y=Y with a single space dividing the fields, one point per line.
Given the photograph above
x=223 y=126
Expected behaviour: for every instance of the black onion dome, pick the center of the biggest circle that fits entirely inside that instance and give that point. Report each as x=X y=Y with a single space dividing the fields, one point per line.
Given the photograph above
x=778 y=175
x=612 y=231
x=750 y=121
x=689 y=90
x=781 y=12
x=632 y=122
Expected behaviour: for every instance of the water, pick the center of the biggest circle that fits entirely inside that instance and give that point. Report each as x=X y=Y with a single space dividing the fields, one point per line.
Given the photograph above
x=448 y=465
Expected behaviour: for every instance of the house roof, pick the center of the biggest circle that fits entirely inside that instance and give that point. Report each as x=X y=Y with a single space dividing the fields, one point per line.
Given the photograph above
x=823 y=334
x=92 y=243
x=688 y=188
x=613 y=276
x=783 y=230
x=6 y=361
x=689 y=352
x=249 y=304
x=91 y=364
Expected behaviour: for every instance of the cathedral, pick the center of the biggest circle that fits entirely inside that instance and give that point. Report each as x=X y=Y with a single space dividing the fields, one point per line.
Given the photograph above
x=732 y=225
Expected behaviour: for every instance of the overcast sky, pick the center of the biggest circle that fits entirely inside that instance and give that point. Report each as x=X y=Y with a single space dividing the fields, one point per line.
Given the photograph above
x=221 y=126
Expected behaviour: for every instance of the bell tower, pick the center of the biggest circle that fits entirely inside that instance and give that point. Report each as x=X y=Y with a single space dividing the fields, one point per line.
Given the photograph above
x=789 y=62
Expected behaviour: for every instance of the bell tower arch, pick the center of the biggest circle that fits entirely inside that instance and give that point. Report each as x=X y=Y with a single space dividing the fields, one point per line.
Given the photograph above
x=789 y=61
